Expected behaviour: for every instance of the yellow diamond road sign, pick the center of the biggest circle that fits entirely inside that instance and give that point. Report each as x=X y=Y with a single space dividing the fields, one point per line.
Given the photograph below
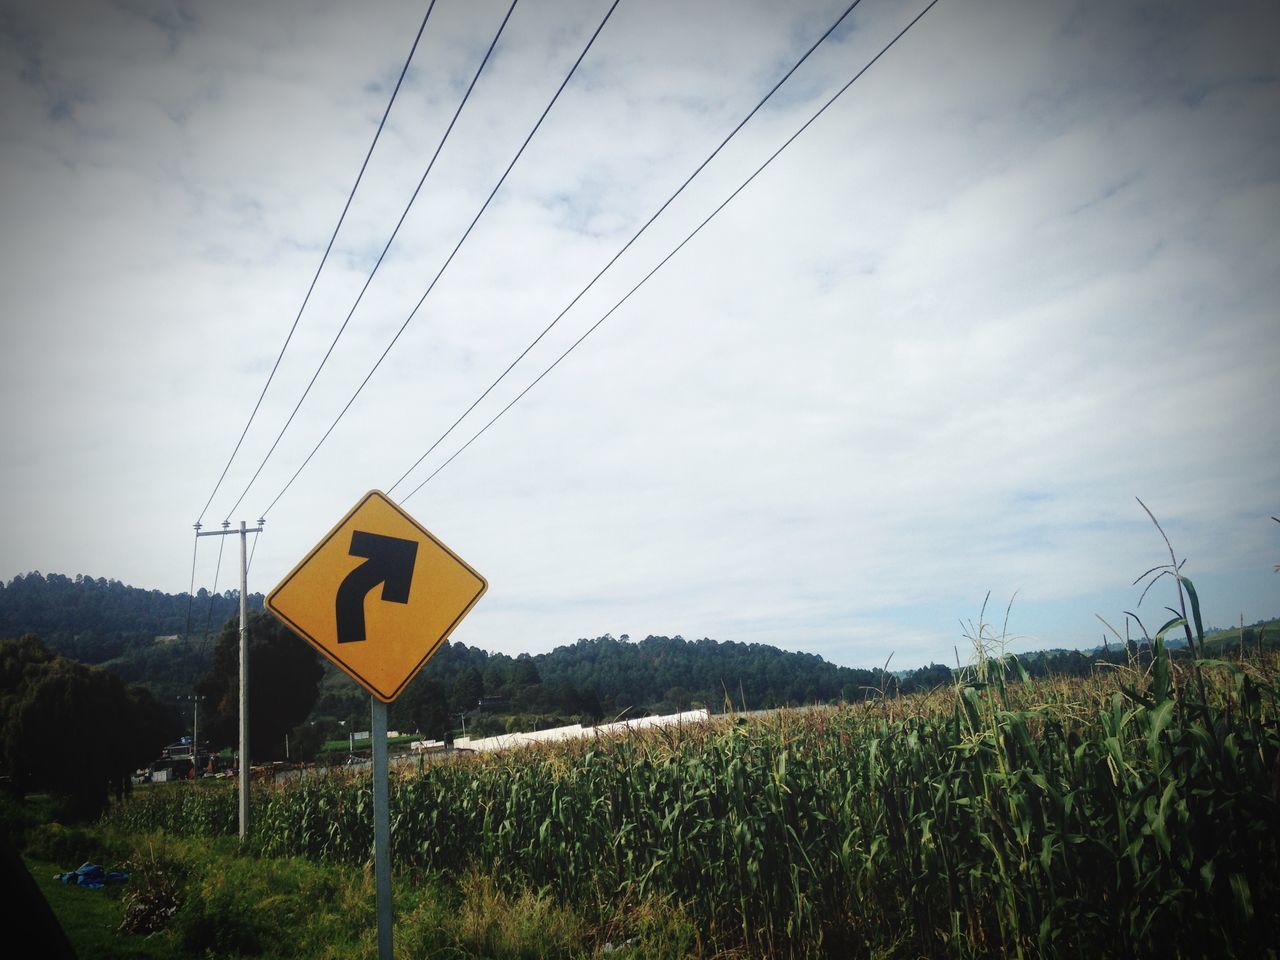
x=378 y=595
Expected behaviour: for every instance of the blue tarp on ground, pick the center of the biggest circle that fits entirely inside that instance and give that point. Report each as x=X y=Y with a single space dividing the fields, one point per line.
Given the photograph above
x=92 y=876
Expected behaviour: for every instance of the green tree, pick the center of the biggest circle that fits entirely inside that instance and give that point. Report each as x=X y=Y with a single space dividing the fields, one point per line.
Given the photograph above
x=71 y=729
x=467 y=690
x=423 y=708
x=284 y=682
x=525 y=673
x=305 y=742
x=679 y=698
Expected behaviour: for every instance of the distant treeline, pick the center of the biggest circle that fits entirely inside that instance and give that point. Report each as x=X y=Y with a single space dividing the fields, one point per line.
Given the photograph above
x=605 y=677
x=95 y=620
x=122 y=628
x=105 y=622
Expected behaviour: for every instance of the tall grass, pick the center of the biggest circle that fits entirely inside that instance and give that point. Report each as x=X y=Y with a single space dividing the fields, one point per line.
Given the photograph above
x=1122 y=814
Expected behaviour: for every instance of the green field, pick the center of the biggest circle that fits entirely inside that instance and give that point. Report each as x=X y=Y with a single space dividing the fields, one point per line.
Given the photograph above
x=362 y=746
x=1121 y=815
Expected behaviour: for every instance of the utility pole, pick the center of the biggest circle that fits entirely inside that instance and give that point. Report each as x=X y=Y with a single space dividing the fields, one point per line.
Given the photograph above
x=244 y=657
x=195 y=731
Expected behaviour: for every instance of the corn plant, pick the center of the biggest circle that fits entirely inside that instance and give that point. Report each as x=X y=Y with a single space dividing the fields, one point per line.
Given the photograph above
x=1133 y=813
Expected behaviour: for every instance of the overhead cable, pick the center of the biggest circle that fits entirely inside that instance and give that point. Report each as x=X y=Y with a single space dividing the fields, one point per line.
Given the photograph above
x=391 y=239
x=634 y=237
x=676 y=250
x=191 y=590
x=449 y=259
x=213 y=593
x=323 y=260
x=252 y=550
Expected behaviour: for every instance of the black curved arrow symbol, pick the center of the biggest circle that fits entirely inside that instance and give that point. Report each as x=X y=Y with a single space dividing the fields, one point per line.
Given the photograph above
x=390 y=563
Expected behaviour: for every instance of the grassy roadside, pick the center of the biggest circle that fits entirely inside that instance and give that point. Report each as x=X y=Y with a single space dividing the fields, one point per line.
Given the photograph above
x=90 y=918
x=231 y=904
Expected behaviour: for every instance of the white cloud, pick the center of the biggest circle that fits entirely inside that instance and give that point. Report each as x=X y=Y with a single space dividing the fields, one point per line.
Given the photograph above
x=1020 y=273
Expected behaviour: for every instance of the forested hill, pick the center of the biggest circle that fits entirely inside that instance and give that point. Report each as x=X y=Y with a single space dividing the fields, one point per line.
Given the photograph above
x=607 y=677
x=677 y=670
x=97 y=620
x=139 y=634
x=604 y=676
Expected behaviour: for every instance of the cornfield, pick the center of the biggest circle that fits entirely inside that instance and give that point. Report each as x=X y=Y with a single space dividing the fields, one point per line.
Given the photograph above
x=1119 y=816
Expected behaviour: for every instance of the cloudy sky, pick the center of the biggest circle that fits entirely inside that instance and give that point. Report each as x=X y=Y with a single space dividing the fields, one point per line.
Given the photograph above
x=1025 y=270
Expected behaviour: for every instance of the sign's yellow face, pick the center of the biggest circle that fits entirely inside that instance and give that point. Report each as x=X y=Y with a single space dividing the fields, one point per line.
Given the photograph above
x=378 y=595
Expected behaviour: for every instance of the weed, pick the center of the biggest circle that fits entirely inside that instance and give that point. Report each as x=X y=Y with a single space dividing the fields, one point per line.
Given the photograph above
x=155 y=893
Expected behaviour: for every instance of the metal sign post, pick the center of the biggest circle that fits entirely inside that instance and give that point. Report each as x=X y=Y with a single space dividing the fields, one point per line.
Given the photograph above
x=381 y=828
x=378 y=596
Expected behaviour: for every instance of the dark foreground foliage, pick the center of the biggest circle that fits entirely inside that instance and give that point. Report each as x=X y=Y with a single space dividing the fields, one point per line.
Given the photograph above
x=73 y=730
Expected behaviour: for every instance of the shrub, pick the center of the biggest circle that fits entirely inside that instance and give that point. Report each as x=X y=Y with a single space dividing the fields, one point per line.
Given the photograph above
x=67 y=846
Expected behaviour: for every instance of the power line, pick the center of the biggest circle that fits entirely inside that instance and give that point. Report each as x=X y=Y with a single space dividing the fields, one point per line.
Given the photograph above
x=213 y=593
x=253 y=549
x=186 y=630
x=626 y=246
x=676 y=250
x=391 y=239
x=449 y=259
x=323 y=260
